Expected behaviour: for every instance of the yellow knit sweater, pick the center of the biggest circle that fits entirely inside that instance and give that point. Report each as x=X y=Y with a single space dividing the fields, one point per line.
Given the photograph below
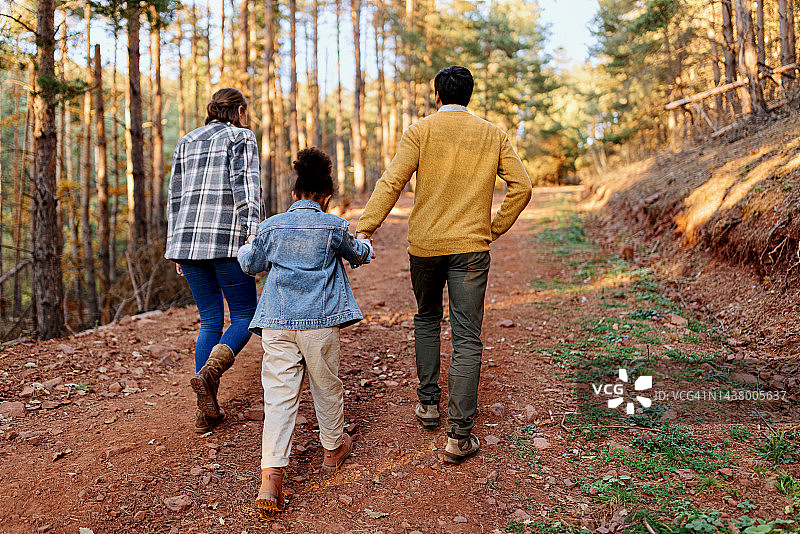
x=456 y=156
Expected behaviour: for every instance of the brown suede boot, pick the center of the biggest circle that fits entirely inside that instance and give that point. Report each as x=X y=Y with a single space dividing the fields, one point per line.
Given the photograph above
x=203 y=424
x=270 y=495
x=206 y=382
x=333 y=460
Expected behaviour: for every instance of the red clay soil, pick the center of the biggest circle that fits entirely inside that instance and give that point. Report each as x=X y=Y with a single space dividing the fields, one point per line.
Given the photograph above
x=105 y=439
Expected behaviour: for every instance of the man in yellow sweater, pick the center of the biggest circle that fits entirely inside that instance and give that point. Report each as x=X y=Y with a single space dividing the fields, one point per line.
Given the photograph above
x=457 y=157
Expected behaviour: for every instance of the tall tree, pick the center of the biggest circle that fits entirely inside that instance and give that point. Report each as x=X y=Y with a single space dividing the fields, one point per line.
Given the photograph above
x=181 y=93
x=748 y=58
x=730 y=51
x=786 y=28
x=102 y=186
x=267 y=127
x=243 y=52
x=134 y=140
x=339 y=132
x=293 y=125
x=158 y=221
x=357 y=148
x=112 y=241
x=48 y=288
x=207 y=45
x=86 y=182
x=195 y=71
x=315 y=128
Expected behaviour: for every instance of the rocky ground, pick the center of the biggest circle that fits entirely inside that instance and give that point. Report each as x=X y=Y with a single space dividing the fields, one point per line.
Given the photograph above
x=97 y=430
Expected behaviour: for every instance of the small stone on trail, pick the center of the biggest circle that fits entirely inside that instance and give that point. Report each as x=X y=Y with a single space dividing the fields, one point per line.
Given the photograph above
x=196 y=471
x=254 y=413
x=491 y=440
x=506 y=323
x=725 y=471
x=459 y=519
x=299 y=421
x=115 y=387
x=206 y=479
x=178 y=503
x=139 y=516
x=497 y=409
x=677 y=320
x=520 y=516
x=346 y=499
x=12 y=409
x=530 y=413
x=541 y=443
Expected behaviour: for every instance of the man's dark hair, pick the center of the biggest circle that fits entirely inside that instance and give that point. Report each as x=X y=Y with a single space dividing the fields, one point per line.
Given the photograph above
x=314 y=180
x=454 y=85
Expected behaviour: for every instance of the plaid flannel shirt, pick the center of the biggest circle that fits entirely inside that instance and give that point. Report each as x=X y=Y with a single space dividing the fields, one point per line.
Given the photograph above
x=214 y=193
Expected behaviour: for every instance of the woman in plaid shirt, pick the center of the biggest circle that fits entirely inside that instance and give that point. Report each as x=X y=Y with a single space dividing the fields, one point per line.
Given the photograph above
x=214 y=207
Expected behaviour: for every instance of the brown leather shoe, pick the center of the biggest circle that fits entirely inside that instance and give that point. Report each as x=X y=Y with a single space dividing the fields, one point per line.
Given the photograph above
x=460 y=448
x=427 y=415
x=206 y=382
x=270 y=495
x=203 y=423
x=333 y=460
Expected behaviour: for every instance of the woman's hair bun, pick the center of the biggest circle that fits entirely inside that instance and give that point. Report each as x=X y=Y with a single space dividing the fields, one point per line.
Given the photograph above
x=224 y=106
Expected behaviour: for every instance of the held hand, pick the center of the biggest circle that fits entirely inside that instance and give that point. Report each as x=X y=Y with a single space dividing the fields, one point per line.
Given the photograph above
x=178 y=269
x=365 y=239
x=250 y=239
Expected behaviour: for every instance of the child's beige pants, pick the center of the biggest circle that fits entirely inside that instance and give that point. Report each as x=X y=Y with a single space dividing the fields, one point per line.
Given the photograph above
x=288 y=355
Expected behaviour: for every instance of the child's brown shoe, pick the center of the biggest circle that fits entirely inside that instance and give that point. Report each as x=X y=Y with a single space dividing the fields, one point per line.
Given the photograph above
x=270 y=495
x=333 y=460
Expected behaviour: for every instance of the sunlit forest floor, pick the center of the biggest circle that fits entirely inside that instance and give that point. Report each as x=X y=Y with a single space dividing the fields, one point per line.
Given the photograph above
x=104 y=437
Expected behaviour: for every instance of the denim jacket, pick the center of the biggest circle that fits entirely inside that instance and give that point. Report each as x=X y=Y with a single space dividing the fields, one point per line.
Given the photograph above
x=306 y=285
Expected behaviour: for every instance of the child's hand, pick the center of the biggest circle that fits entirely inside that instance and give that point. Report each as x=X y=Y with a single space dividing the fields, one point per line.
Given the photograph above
x=367 y=241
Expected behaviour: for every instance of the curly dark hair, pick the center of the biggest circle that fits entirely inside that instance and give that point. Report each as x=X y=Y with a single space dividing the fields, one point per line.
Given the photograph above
x=313 y=168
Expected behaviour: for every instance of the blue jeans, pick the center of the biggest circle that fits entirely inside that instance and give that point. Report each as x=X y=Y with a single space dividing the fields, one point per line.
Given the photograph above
x=209 y=281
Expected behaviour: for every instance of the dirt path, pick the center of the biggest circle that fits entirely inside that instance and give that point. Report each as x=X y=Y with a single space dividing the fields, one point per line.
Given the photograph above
x=107 y=434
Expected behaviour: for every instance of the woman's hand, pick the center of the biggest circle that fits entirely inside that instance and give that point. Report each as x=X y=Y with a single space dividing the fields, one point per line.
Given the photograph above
x=250 y=239
x=178 y=269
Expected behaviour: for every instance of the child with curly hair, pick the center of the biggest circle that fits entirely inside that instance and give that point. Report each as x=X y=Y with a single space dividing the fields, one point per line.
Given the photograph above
x=305 y=301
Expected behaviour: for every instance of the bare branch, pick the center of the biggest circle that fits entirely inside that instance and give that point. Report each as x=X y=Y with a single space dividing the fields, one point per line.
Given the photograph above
x=18 y=21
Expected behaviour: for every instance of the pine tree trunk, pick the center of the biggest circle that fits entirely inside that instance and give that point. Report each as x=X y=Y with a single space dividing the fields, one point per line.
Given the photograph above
x=748 y=57
x=19 y=191
x=243 y=52
x=134 y=141
x=293 y=125
x=223 y=50
x=282 y=171
x=112 y=241
x=208 y=49
x=48 y=285
x=357 y=148
x=339 y=132
x=102 y=188
x=760 y=45
x=181 y=93
x=409 y=93
x=788 y=56
x=267 y=135
x=158 y=221
x=730 y=52
x=379 y=129
x=86 y=184
x=715 y=61
x=315 y=70
x=197 y=114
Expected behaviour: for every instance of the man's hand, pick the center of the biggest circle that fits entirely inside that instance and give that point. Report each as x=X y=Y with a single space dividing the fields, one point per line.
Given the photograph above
x=178 y=269
x=364 y=238
x=250 y=239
